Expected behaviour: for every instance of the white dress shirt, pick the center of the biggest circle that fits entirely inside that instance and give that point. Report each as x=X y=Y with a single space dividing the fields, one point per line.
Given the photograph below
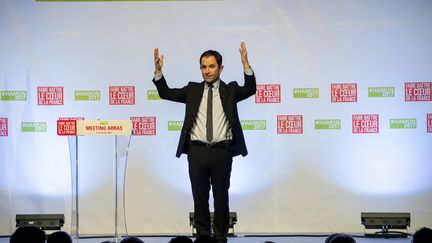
x=221 y=128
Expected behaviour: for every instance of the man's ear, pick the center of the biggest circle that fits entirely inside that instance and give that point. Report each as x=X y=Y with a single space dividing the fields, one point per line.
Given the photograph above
x=221 y=68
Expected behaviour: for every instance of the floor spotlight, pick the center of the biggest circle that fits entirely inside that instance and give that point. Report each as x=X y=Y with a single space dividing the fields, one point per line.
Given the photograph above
x=232 y=222
x=42 y=221
x=386 y=222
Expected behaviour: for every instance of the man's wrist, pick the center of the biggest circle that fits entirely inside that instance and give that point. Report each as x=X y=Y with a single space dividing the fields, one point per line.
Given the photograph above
x=248 y=70
x=157 y=75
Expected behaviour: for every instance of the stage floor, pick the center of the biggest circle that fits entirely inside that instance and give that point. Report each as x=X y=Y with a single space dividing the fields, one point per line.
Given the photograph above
x=247 y=239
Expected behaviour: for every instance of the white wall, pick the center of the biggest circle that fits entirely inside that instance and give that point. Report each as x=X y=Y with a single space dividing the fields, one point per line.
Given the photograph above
x=318 y=181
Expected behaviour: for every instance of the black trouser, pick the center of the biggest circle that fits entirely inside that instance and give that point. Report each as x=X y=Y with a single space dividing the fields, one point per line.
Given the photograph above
x=210 y=167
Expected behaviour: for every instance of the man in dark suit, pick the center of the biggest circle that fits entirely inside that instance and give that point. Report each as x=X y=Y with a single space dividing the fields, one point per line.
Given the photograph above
x=211 y=135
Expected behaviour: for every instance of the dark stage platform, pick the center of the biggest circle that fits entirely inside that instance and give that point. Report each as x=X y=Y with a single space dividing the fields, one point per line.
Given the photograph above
x=251 y=239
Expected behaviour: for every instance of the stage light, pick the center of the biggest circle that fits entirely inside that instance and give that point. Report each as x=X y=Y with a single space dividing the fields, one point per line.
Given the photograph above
x=42 y=221
x=231 y=223
x=385 y=222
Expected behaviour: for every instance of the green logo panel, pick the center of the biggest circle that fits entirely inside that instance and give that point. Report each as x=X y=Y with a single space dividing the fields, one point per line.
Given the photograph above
x=305 y=93
x=13 y=95
x=253 y=124
x=380 y=92
x=175 y=125
x=33 y=126
x=85 y=95
x=153 y=95
x=404 y=123
x=328 y=124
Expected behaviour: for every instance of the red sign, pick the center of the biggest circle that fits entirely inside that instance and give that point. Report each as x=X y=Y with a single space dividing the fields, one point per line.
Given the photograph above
x=268 y=93
x=418 y=91
x=3 y=126
x=144 y=126
x=344 y=92
x=429 y=122
x=365 y=123
x=122 y=95
x=66 y=126
x=50 y=95
x=289 y=124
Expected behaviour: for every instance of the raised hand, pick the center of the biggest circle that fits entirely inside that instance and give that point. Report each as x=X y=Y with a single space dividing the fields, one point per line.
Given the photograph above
x=158 y=60
x=244 y=57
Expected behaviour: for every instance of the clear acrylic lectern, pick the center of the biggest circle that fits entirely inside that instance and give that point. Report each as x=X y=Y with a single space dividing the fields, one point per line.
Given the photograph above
x=121 y=143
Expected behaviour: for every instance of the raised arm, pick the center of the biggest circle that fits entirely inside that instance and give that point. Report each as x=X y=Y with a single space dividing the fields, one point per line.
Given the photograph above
x=244 y=57
x=158 y=60
x=249 y=87
x=165 y=92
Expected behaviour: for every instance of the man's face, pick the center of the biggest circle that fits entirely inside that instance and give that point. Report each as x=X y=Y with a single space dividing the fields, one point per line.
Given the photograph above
x=210 y=70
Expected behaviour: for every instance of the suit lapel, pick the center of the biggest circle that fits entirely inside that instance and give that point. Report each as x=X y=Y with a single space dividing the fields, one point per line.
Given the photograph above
x=197 y=96
x=222 y=94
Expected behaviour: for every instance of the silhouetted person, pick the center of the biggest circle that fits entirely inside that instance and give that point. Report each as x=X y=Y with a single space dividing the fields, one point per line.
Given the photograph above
x=131 y=239
x=340 y=238
x=423 y=235
x=181 y=239
x=205 y=239
x=28 y=234
x=59 y=237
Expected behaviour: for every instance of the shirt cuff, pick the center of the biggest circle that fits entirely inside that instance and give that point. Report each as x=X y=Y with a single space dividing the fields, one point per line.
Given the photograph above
x=158 y=76
x=248 y=71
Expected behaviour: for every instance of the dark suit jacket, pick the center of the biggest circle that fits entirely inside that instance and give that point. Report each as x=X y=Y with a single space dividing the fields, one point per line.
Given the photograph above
x=191 y=95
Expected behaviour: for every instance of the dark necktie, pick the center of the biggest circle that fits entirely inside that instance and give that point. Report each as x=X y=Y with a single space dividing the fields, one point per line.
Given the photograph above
x=209 y=124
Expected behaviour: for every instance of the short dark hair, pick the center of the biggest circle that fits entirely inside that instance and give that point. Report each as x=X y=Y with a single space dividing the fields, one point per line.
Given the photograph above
x=214 y=54
x=59 y=237
x=422 y=235
x=28 y=234
x=205 y=239
x=181 y=239
x=131 y=239
x=340 y=238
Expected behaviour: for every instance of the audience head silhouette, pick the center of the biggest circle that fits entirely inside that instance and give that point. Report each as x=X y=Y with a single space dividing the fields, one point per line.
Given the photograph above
x=181 y=239
x=423 y=235
x=340 y=238
x=205 y=239
x=59 y=237
x=28 y=234
x=131 y=239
